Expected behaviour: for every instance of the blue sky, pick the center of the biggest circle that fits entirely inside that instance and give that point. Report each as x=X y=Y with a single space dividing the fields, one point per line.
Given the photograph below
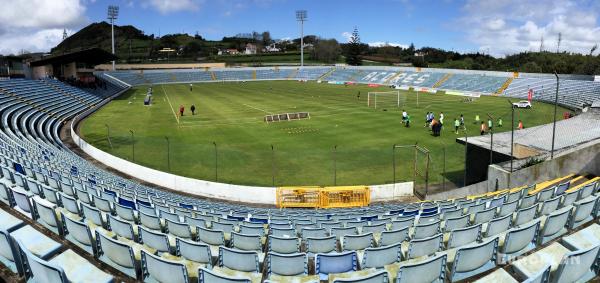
x=389 y=20
x=498 y=27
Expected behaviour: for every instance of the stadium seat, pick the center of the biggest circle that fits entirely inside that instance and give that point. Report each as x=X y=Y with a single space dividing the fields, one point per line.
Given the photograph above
x=554 y=225
x=456 y=223
x=155 y=240
x=402 y=223
x=117 y=254
x=381 y=256
x=151 y=222
x=321 y=245
x=422 y=247
x=65 y=267
x=463 y=236
x=239 y=263
x=426 y=230
x=47 y=215
x=283 y=245
x=565 y=265
x=286 y=265
x=330 y=263
x=194 y=253
x=282 y=232
x=472 y=259
x=123 y=228
x=370 y=277
x=207 y=276
x=23 y=202
x=496 y=226
x=430 y=269
x=157 y=269
x=393 y=236
x=524 y=215
x=79 y=234
x=518 y=241
x=582 y=212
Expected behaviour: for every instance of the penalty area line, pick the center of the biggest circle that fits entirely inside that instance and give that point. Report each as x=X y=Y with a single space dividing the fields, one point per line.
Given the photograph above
x=171 y=105
x=250 y=106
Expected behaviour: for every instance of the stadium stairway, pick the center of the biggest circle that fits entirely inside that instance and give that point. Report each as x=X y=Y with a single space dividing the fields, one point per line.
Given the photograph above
x=293 y=74
x=504 y=86
x=387 y=82
x=442 y=80
x=324 y=76
x=67 y=93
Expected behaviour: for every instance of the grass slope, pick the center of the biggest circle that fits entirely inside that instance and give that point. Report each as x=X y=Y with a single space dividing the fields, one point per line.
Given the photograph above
x=231 y=115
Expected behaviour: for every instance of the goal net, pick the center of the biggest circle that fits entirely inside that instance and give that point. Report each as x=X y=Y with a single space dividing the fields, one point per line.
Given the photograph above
x=385 y=99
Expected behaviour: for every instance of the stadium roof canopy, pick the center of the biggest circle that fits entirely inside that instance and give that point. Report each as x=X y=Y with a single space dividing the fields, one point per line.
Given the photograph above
x=91 y=56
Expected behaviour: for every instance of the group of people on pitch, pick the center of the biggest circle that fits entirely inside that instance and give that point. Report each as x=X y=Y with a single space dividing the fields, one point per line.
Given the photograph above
x=182 y=109
x=436 y=125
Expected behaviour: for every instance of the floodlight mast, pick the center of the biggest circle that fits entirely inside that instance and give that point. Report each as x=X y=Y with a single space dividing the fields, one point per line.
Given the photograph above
x=113 y=13
x=301 y=16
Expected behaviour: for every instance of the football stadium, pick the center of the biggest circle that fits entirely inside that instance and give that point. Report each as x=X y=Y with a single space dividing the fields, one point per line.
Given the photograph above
x=127 y=157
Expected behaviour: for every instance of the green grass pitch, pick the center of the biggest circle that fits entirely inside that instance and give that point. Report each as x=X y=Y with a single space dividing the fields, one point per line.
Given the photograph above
x=231 y=115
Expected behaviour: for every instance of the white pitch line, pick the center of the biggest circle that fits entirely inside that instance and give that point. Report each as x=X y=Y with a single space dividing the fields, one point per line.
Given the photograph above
x=168 y=100
x=256 y=108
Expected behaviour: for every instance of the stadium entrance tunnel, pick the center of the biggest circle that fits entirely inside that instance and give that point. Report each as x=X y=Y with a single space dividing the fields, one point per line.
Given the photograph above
x=478 y=159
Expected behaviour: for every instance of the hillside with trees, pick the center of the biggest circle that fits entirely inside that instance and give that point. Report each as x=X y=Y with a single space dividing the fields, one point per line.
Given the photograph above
x=134 y=46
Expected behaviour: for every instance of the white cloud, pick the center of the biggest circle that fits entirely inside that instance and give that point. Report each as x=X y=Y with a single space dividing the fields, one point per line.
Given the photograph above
x=510 y=26
x=39 y=41
x=347 y=36
x=37 y=25
x=381 y=43
x=170 y=6
x=41 y=13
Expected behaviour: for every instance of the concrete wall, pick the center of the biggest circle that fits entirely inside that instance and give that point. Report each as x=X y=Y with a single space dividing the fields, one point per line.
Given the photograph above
x=389 y=192
x=474 y=189
x=40 y=72
x=581 y=160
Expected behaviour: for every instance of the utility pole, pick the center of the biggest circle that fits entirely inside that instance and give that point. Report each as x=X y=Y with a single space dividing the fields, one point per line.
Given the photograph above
x=512 y=134
x=555 y=109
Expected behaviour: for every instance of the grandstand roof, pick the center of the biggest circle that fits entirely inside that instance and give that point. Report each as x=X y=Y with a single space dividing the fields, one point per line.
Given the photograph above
x=570 y=133
x=92 y=56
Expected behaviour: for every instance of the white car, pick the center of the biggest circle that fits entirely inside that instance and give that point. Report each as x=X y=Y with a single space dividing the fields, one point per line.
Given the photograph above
x=522 y=104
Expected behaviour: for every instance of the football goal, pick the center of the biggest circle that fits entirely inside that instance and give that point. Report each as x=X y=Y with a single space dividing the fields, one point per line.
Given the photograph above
x=385 y=99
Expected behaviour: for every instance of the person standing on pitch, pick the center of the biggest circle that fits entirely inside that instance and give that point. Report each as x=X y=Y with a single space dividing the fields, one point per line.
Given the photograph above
x=490 y=124
x=500 y=122
x=442 y=118
x=404 y=114
x=181 y=109
x=193 y=109
x=358 y=95
x=462 y=120
x=190 y=87
x=482 y=128
x=456 y=125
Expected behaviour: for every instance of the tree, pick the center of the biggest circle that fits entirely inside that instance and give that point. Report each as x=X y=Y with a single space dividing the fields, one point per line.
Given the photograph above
x=593 y=49
x=531 y=67
x=266 y=38
x=354 y=49
x=193 y=47
x=326 y=50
